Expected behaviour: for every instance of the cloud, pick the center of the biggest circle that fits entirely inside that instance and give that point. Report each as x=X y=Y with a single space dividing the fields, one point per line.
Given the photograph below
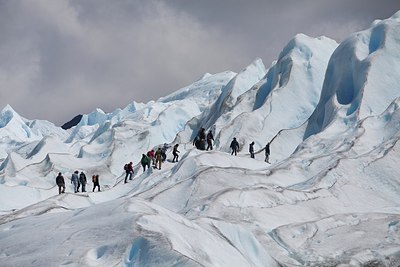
x=61 y=58
x=73 y=56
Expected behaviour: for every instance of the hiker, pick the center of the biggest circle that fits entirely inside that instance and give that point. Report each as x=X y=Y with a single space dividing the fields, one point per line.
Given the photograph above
x=251 y=150
x=202 y=134
x=96 y=182
x=128 y=171
x=164 y=151
x=202 y=139
x=267 y=152
x=158 y=157
x=175 y=153
x=83 y=181
x=235 y=146
x=210 y=139
x=75 y=181
x=61 y=183
x=145 y=162
x=151 y=154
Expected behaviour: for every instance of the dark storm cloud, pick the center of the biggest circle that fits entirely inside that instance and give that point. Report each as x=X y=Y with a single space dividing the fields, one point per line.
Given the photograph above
x=60 y=58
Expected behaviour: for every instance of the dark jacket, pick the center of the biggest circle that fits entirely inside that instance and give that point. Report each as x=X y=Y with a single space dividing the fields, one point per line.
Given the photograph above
x=60 y=180
x=210 y=136
x=175 y=151
x=234 y=144
x=144 y=160
x=202 y=134
x=95 y=179
x=251 y=148
x=82 y=178
x=267 y=149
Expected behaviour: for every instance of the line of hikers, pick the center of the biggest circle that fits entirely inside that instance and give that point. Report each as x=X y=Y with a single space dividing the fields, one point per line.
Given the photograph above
x=201 y=139
x=77 y=181
x=152 y=158
x=251 y=150
x=235 y=147
x=156 y=158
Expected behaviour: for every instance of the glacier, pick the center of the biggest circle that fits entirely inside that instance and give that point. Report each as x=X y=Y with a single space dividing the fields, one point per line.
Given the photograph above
x=330 y=196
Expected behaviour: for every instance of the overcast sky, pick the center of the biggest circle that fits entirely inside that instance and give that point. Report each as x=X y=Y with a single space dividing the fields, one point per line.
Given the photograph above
x=59 y=58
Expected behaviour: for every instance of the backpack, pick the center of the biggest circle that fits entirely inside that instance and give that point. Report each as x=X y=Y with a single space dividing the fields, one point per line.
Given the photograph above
x=126 y=167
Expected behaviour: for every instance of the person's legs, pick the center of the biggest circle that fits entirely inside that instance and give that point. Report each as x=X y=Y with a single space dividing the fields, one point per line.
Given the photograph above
x=96 y=185
x=126 y=177
x=209 y=145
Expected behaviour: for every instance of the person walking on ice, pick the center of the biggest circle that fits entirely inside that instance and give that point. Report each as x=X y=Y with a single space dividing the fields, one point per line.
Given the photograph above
x=152 y=158
x=234 y=146
x=83 y=181
x=145 y=162
x=164 y=151
x=267 y=152
x=158 y=158
x=251 y=150
x=128 y=171
x=175 y=153
x=210 y=139
x=61 y=183
x=75 y=181
x=96 y=182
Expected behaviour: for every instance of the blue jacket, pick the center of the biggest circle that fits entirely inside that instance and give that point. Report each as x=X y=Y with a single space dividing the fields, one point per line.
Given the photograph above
x=75 y=178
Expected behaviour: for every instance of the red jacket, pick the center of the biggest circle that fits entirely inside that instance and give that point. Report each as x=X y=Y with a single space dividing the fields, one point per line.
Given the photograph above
x=130 y=168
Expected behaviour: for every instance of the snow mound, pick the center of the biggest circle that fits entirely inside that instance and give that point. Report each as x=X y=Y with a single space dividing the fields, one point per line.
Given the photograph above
x=362 y=75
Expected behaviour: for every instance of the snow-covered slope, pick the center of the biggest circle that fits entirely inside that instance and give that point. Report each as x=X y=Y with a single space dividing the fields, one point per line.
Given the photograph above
x=16 y=131
x=289 y=91
x=329 y=198
x=362 y=76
